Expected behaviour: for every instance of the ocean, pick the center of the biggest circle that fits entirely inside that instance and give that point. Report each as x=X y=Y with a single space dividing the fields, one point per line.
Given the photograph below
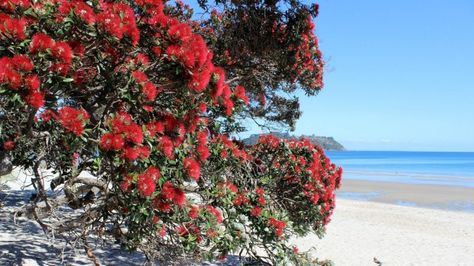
x=434 y=168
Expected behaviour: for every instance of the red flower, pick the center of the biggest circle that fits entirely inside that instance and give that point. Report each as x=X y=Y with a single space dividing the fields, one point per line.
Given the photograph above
x=11 y=26
x=240 y=199
x=202 y=107
x=40 y=42
x=80 y=9
x=9 y=145
x=133 y=133
x=153 y=173
x=224 y=154
x=146 y=182
x=150 y=91
x=256 y=211
x=125 y=184
x=166 y=146
x=155 y=127
x=73 y=120
x=32 y=82
x=182 y=231
x=203 y=152
x=63 y=52
x=171 y=193
x=35 y=99
x=133 y=153
x=142 y=59
x=240 y=94
x=193 y=212
x=278 y=225
x=22 y=63
x=139 y=76
x=216 y=213
x=167 y=191
x=130 y=153
x=193 y=168
x=10 y=76
x=179 y=197
x=232 y=187
x=161 y=205
x=229 y=105
x=110 y=141
x=162 y=231
x=199 y=80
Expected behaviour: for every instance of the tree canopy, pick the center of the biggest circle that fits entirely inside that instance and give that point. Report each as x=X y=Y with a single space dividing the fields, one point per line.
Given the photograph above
x=132 y=105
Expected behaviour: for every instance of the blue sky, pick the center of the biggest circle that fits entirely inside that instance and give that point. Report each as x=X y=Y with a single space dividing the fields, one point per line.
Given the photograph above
x=399 y=75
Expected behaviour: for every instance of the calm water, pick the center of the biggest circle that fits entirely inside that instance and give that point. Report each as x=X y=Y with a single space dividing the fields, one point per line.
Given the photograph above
x=439 y=168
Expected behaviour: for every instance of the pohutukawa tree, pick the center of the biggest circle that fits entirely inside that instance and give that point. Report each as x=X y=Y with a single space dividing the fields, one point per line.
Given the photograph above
x=145 y=99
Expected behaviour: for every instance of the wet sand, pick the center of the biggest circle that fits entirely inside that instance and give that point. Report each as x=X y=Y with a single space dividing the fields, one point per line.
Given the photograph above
x=431 y=196
x=398 y=224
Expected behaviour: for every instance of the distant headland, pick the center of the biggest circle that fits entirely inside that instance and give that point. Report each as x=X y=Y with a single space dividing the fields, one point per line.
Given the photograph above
x=327 y=143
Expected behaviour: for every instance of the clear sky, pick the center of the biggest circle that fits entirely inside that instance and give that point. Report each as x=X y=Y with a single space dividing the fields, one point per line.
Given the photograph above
x=399 y=75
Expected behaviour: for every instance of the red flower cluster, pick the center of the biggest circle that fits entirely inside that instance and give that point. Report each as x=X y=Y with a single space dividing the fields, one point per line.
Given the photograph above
x=118 y=20
x=190 y=50
x=11 y=27
x=61 y=51
x=202 y=149
x=147 y=181
x=256 y=211
x=148 y=88
x=126 y=183
x=192 y=167
x=239 y=92
x=231 y=146
x=134 y=153
x=308 y=59
x=167 y=147
x=14 y=72
x=277 y=225
x=187 y=229
x=9 y=145
x=216 y=213
x=307 y=170
x=241 y=199
x=79 y=8
x=172 y=194
x=123 y=129
x=193 y=212
x=112 y=142
x=73 y=120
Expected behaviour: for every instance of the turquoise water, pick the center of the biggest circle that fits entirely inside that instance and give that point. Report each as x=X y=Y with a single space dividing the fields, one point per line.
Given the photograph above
x=438 y=168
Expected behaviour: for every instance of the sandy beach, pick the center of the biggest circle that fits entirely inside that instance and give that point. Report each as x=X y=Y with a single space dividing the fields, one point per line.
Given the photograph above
x=395 y=235
x=374 y=226
x=438 y=231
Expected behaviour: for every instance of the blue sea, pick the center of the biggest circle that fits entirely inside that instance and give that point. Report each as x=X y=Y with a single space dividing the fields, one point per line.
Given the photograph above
x=436 y=168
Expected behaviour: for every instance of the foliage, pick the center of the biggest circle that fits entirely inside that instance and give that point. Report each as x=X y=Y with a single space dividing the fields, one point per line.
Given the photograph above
x=130 y=92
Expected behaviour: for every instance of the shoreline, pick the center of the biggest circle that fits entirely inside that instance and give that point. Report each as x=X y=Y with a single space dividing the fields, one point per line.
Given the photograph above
x=453 y=198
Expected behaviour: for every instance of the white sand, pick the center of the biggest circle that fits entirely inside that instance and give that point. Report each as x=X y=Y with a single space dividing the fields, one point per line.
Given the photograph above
x=395 y=235
x=359 y=231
